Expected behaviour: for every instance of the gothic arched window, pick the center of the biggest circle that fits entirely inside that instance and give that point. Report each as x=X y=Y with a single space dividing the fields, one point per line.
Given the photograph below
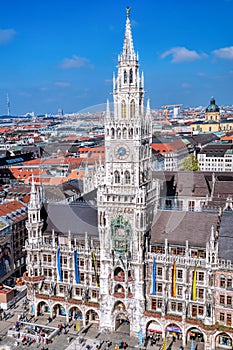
x=116 y=177
x=222 y=281
x=118 y=133
x=131 y=76
x=127 y=177
x=124 y=133
x=132 y=109
x=131 y=133
x=125 y=77
x=123 y=109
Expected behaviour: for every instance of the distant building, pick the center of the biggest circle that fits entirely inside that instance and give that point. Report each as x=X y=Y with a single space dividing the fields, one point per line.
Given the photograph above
x=213 y=121
x=13 y=233
x=168 y=154
x=216 y=157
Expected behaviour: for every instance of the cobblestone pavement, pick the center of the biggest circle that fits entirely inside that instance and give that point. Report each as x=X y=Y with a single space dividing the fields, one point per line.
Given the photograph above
x=74 y=340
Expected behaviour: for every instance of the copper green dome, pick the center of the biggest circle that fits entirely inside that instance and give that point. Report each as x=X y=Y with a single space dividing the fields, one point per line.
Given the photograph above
x=212 y=107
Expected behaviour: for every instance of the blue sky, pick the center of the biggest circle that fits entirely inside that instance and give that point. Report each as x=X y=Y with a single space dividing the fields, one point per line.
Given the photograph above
x=62 y=53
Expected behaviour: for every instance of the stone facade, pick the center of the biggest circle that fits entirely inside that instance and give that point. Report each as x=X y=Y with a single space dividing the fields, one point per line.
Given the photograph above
x=124 y=272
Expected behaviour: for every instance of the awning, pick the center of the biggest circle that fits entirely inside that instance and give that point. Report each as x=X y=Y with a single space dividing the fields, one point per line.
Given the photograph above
x=173 y=329
x=154 y=327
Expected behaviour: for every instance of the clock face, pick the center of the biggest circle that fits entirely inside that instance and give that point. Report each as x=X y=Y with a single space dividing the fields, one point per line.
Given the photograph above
x=121 y=152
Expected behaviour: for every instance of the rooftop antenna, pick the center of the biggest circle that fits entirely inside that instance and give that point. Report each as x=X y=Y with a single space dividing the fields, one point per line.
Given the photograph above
x=8 y=105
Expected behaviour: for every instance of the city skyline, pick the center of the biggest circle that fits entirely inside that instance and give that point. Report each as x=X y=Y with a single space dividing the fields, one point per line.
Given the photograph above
x=60 y=55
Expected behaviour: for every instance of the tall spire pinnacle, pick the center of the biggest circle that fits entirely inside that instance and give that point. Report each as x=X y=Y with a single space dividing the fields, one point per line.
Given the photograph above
x=128 y=49
x=34 y=202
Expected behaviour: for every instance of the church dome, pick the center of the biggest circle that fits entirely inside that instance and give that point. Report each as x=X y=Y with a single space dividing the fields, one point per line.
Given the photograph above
x=212 y=107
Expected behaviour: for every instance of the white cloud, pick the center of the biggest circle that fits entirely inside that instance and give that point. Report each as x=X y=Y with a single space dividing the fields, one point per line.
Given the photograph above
x=225 y=52
x=62 y=84
x=75 y=62
x=6 y=35
x=181 y=54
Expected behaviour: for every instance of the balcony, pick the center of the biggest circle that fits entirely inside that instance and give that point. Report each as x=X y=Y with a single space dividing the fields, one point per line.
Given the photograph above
x=42 y=296
x=153 y=314
x=75 y=301
x=119 y=278
x=34 y=279
x=119 y=295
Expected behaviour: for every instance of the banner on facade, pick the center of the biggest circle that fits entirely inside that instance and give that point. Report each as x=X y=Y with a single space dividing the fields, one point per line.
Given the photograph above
x=153 y=279
x=194 y=284
x=174 y=280
x=95 y=268
x=76 y=267
x=59 y=264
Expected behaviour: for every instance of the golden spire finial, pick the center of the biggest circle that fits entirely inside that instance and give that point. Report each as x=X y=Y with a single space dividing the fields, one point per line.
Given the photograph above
x=127 y=11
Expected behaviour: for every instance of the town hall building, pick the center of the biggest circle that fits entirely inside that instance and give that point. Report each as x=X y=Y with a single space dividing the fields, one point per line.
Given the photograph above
x=119 y=258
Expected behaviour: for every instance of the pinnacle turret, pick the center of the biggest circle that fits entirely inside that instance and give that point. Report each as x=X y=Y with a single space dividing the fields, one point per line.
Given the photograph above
x=128 y=49
x=34 y=202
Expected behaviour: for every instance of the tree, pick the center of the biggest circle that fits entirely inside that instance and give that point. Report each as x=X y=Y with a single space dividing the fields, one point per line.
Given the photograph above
x=190 y=163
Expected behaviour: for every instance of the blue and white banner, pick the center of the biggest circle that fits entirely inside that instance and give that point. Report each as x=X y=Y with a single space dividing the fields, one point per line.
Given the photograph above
x=77 y=277
x=153 y=278
x=59 y=264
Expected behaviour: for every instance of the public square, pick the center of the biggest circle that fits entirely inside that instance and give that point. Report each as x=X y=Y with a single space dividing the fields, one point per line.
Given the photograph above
x=70 y=339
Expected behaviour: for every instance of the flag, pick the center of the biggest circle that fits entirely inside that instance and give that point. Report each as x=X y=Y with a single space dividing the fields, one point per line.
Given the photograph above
x=59 y=264
x=194 y=285
x=95 y=268
x=77 y=277
x=174 y=280
x=153 y=279
x=77 y=325
x=164 y=346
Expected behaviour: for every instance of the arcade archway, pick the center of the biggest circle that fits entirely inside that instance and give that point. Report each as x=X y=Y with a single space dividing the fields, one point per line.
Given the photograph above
x=174 y=332
x=42 y=308
x=122 y=324
x=92 y=316
x=75 y=313
x=153 y=328
x=223 y=341
x=58 y=310
x=195 y=338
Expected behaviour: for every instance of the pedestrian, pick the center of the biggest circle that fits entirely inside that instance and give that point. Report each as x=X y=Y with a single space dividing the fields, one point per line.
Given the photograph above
x=68 y=339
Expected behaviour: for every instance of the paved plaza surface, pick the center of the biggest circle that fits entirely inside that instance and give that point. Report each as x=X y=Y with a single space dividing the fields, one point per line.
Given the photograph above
x=71 y=339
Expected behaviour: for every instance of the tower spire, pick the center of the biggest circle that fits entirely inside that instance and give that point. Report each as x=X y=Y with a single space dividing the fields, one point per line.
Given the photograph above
x=34 y=202
x=128 y=49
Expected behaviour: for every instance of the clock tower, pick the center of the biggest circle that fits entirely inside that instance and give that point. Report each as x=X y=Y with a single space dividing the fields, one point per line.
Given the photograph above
x=127 y=197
